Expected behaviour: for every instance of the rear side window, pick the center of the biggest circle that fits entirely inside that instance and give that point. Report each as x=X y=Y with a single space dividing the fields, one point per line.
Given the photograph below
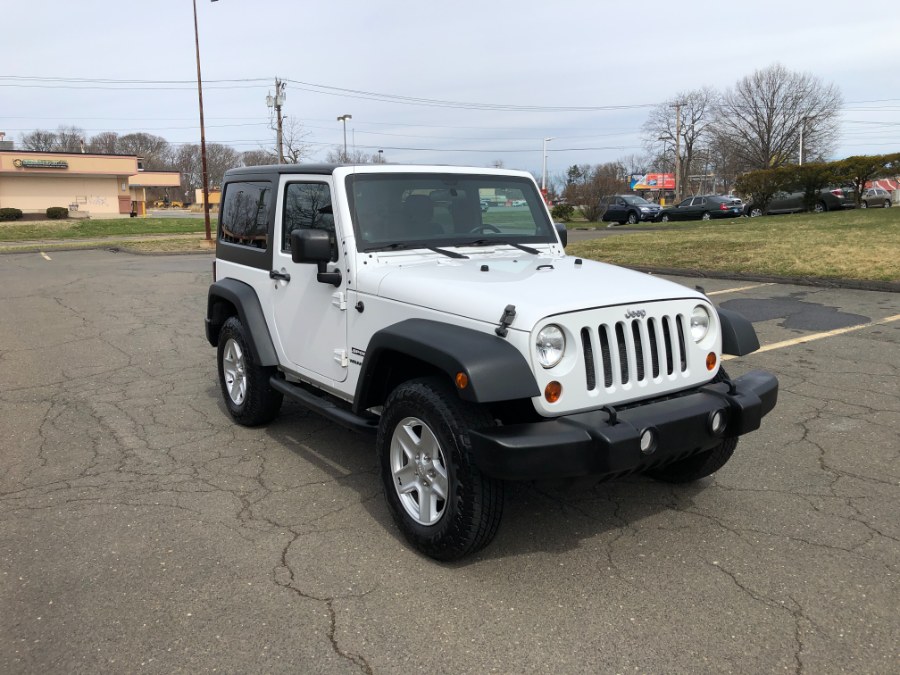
x=245 y=214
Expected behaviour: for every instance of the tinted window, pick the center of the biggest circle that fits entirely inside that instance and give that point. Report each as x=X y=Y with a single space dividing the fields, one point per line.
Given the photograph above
x=245 y=214
x=307 y=206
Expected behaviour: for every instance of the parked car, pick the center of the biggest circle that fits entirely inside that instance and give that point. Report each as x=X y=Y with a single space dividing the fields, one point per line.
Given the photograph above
x=703 y=207
x=828 y=199
x=875 y=198
x=485 y=205
x=629 y=209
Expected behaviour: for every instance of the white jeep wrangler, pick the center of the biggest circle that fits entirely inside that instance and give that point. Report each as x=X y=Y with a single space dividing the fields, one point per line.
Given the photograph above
x=387 y=299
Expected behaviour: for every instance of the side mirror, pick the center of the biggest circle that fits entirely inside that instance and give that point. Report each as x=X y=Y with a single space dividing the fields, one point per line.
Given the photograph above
x=563 y=233
x=314 y=246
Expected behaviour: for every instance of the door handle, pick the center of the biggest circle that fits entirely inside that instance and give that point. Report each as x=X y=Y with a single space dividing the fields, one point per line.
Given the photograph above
x=283 y=276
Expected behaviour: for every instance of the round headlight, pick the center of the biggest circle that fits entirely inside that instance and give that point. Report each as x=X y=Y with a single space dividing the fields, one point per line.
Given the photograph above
x=699 y=323
x=550 y=344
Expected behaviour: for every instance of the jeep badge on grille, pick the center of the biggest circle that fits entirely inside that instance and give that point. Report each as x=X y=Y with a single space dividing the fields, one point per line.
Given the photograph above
x=635 y=314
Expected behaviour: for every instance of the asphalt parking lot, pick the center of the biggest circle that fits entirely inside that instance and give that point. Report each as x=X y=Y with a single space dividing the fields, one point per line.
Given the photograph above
x=140 y=530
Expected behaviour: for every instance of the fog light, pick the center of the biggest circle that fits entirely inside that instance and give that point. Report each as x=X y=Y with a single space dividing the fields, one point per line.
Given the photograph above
x=552 y=391
x=717 y=422
x=648 y=441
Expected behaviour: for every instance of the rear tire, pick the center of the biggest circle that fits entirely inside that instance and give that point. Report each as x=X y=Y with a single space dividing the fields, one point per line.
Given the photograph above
x=245 y=385
x=702 y=464
x=705 y=216
x=441 y=502
x=820 y=207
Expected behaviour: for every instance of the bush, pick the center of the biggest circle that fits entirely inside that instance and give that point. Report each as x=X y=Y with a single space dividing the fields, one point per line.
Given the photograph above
x=57 y=212
x=563 y=212
x=10 y=214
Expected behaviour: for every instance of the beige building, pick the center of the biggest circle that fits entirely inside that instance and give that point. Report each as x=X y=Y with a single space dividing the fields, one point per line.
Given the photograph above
x=99 y=186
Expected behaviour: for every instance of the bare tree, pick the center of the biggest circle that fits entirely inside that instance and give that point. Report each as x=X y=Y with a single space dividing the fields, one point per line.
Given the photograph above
x=154 y=149
x=69 y=139
x=693 y=130
x=762 y=119
x=258 y=157
x=186 y=160
x=293 y=136
x=337 y=156
x=106 y=142
x=220 y=158
x=39 y=140
x=587 y=185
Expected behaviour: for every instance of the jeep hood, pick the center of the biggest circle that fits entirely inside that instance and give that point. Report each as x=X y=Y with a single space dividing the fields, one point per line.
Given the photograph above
x=539 y=286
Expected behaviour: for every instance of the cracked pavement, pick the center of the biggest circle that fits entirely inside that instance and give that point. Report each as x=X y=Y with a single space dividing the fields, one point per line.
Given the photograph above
x=141 y=530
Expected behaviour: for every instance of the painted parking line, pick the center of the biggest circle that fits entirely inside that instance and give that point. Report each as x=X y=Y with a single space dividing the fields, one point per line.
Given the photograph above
x=740 y=288
x=818 y=336
x=45 y=256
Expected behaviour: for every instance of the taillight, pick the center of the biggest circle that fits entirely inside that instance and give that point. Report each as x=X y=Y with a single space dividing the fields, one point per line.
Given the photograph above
x=723 y=206
x=837 y=192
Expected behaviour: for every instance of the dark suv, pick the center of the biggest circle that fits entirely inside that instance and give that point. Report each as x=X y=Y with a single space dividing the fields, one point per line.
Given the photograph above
x=828 y=199
x=629 y=209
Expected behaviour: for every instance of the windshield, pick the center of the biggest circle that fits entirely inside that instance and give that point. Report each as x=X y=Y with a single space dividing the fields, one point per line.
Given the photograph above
x=636 y=201
x=410 y=210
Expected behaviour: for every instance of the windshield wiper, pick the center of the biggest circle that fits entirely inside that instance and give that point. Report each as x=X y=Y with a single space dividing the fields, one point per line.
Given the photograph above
x=491 y=241
x=398 y=245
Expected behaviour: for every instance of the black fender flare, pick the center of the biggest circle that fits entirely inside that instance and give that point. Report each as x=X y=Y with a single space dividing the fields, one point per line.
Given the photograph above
x=738 y=336
x=249 y=311
x=496 y=370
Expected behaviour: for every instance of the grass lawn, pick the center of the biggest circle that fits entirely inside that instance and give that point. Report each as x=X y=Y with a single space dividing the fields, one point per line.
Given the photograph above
x=857 y=244
x=88 y=229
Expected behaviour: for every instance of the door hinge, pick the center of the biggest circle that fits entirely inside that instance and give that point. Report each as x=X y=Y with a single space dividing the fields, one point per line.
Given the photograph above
x=339 y=300
x=340 y=355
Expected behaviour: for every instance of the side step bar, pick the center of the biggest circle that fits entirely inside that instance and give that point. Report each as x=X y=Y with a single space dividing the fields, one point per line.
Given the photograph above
x=365 y=424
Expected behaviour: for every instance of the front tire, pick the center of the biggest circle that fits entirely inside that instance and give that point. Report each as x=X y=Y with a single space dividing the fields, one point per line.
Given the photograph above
x=702 y=464
x=632 y=219
x=755 y=212
x=441 y=502
x=245 y=385
x=664 y=218
x=887 y=203
x=863 y=205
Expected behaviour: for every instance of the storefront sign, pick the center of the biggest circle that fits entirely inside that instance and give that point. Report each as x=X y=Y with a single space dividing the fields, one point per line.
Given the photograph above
x=40 y=164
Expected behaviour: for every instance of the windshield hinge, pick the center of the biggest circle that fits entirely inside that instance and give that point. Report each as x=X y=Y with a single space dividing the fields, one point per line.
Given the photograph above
x=339 y=300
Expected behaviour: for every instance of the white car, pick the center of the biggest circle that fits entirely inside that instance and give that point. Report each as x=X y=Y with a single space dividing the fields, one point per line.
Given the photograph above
x=474 y=349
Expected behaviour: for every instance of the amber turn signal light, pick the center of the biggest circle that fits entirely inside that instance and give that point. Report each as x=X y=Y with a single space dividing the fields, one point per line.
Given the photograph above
x=710 y=360
x=553 y=391
x=462 y=380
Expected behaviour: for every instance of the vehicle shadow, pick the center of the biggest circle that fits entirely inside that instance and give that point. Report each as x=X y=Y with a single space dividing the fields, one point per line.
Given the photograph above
x=545 y=516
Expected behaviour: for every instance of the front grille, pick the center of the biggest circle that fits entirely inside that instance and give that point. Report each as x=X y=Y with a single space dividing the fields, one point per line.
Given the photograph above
x=629 y=351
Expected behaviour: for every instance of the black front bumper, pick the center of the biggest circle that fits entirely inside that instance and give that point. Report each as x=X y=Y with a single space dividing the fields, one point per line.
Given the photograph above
x=586 y=443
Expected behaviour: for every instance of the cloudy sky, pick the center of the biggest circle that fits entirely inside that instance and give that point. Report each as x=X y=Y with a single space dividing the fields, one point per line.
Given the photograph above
x=459 y=82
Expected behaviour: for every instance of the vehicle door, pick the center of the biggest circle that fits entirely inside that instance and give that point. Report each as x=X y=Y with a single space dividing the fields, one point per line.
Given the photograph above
x=310 y=316
x=683 y=210
x=613 y=209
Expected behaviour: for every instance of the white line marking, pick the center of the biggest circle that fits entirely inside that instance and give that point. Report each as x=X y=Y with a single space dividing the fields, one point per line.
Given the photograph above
x=740 y=288
x=818 y=336
x=45 y=256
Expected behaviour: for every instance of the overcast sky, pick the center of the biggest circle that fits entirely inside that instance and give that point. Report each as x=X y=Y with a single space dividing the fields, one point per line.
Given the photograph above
x=521 y=63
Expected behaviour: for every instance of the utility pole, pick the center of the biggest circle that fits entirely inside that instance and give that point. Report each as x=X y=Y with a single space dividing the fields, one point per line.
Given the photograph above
x=677 y=106
x=276 y=102
x=202 y=132
x=344 y=118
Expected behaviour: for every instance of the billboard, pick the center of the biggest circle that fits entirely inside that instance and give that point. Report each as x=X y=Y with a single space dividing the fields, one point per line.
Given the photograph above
x=653 y=181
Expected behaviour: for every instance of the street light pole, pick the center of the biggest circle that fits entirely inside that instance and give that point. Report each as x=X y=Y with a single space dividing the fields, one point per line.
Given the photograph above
x=544 y=170
x=205 y=174
x=344 y=118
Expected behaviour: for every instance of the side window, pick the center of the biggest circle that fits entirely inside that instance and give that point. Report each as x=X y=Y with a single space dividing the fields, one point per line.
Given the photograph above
x=245 y=214
x=686 y=202
x=308 y=206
